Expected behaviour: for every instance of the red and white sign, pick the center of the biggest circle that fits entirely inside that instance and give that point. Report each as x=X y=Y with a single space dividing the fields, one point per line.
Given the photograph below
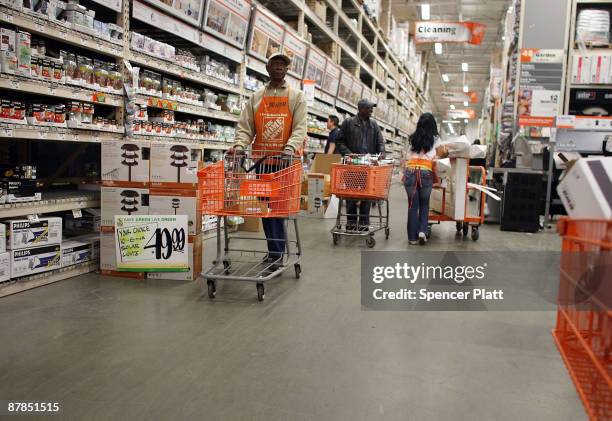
x=267 y=36
x=460 y=114
x=468 y=32
x=536 y=55
x=471 y=97
x=309 y=91
x=228 y=19
x=296 y=49
x=315 y=66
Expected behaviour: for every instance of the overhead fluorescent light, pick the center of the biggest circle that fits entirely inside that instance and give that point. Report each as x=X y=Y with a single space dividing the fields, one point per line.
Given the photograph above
x=452 y=106
x=438 y=48
x=425 y=11
x=465 y=120
x=466 y=89
x=503 y=38
x=510 y=9
x=465 y=103
x=445 y=77
x=464 y=67
x=450 y=122
x=452 y=130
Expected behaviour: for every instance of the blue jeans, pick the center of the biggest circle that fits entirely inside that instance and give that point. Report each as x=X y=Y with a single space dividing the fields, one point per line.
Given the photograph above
x=418 y=184
x=274 y=228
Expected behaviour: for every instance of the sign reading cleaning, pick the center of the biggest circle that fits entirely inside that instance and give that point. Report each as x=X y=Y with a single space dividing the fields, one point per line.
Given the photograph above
x=151 y=243
x=468 y=32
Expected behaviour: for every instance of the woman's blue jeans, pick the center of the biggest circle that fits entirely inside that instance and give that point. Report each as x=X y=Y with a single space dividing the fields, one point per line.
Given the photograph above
x=418 y=184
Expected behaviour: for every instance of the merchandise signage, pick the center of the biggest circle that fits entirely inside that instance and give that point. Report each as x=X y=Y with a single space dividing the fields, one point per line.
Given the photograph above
x=266 y=36
x=331 y=79
x=540 y=87
x=309 y=91
x=356 y=90
x=296 y=49
x=144 y=13
x=346 y=81
x=315 y=66
x=468 y=32
x=151 y=243
x=228 y=19
x=189 y=11
x=461 y=114
x=213 y=44
x=471 y=97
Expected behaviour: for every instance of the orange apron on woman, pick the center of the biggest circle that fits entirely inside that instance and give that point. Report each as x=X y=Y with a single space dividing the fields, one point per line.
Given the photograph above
x=273 y=123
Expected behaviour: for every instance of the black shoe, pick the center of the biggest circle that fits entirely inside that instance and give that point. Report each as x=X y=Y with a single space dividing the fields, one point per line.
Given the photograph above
x=351 y=228
x=364 y=229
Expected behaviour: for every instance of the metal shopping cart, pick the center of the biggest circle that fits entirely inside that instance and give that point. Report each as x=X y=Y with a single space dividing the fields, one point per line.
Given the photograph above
x=361 y=178
x=473 y=220
x=583 y=333
x=256 y=184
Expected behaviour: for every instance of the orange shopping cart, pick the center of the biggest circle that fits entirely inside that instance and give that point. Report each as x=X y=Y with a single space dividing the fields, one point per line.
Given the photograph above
x=583 y=333
x=361 y=178
x=251 y=184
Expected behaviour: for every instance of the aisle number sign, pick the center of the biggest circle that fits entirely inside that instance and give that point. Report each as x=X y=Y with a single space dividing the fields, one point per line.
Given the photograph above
x=471 y=96
x=463 y=32
x=468 y=113
x=151 y=243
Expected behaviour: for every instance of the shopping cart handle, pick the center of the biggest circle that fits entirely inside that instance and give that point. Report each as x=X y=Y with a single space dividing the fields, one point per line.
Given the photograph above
x=258 y=162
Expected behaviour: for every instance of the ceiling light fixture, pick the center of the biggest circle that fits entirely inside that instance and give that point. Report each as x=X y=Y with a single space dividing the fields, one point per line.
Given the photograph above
x=445 y=77
x=465 y=103
x=464 y=67
x=465 y=120
x=466 y=89
x=438 y=48
x=425 y=11
x=510 y=9
x=452 y=106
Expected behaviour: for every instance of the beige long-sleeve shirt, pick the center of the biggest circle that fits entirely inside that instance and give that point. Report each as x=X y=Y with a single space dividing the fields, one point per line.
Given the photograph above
x=245 y=132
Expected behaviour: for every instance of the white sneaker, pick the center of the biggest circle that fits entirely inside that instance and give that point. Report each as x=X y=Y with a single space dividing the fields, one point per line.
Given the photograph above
x=413 y=243
x=422 y=238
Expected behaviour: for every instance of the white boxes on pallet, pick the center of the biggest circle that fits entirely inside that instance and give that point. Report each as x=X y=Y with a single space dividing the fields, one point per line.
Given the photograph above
x=125 y=161
x=5 y=266
x=2 y=238
x=29 y=261
x=586 y=189
x=22 y=233
x=75 y=252
x=175 y=165
x=455 y=184
x=119 y=200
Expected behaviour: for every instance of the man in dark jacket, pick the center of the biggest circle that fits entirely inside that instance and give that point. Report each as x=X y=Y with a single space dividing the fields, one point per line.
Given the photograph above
x=360 y=135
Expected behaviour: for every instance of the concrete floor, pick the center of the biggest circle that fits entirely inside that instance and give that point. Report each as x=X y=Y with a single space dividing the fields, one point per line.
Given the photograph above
x=112 y=349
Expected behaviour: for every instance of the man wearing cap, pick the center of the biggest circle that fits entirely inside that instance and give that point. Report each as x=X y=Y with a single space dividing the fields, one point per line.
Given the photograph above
x=274 y=120
x=360 y=135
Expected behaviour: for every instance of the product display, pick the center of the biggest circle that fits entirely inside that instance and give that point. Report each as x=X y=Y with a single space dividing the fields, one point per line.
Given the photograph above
x=122 y=199
x=21 y=233
x=29 y=261
x=174 y=164
x=5 y=266
x=593 y=26
x=128 y=162
x=163 y=201
x=75 y=252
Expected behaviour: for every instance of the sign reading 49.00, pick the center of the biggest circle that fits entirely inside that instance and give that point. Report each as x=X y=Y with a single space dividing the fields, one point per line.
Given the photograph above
x=151 y=243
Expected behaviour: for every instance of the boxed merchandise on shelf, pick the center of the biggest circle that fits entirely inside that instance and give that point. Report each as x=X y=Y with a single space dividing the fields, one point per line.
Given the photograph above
x=592 y=68
x=194 y=255
x=5 y=266
x=174 y=164
x=75 y=252
x=19 y=191
x=22 y=233
x=585 y=189
x=29 y=261
x=122 y=199
x=125 y=161
x=2 y=238
x=164 y=201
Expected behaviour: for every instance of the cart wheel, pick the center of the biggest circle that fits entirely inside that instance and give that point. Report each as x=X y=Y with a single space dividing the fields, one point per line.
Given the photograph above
x=428 y=233
x=335 y=239
x=466 y=228
x=370 y=242
x=260 y=291
x=387 y=232
x=212 y=289
x=458 y=226
x=475 y=233
x=298 y=270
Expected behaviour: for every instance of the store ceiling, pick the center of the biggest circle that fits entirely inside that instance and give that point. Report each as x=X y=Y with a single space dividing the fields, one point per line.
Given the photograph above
x=478 y=57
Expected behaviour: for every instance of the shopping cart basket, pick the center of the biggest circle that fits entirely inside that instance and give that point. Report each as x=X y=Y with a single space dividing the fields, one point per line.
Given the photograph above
x=584 y=316
x=251 y=184
x=356 y=179
x=469 y=219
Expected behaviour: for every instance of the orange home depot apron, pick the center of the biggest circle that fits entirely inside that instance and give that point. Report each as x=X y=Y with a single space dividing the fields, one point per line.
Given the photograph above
x=273 y=123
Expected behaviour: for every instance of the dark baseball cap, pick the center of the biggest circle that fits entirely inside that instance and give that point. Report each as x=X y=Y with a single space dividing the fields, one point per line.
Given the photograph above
x=364 y=103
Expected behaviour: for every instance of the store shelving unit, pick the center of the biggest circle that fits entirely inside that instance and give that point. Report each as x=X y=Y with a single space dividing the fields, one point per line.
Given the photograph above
x=56 y=201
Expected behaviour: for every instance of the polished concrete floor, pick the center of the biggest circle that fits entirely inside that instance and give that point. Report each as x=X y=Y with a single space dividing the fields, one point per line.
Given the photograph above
x=112 y=349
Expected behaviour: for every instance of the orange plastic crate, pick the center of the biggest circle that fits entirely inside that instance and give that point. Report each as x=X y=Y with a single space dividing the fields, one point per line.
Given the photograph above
x=584 y=320
x=361 y=181
x=226 y=190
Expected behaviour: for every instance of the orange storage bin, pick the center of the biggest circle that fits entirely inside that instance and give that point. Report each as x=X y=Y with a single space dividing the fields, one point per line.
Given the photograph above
x=361 y=181
x=583 y=332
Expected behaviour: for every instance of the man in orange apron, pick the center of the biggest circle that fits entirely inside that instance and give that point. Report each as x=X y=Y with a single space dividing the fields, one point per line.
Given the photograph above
x=275 y=121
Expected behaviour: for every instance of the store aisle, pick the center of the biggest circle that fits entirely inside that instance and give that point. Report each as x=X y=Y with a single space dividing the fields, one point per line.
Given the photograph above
x=159 y=350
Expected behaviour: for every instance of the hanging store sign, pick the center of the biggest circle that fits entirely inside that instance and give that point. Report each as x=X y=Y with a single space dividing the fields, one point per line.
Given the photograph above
x=468 y=32
x=228 y=19
x=346 y=82
x=331 y=79
x=540 y=87
x=356 y=90
x=296 y=49
x=471 y=97
x=315 y=66
x=151 y=243
x=266 y=36
x=461 y=114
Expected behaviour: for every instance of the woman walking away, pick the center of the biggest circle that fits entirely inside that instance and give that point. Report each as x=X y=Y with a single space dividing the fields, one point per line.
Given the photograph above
x=419 y=175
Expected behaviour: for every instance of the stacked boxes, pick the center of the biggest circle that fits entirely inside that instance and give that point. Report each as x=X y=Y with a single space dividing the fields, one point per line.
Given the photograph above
x=5 y=257
x=592 y=68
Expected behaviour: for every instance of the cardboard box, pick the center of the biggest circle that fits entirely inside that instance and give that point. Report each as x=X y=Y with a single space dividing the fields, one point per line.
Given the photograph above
x=456 y=189
x=316 y=193
x=24 y=52
x=318 y=7
x=75 y=252
x=5 y=266
x=194 y=248
x=576 y=68
x=123 y=200
x=322 y=163
x=29 y=261
x=90 y=220
x=7 y=40
x=94 y=241
x=126 y=161
x=251 y=224
x=177 y=202
x=2 y=238
x=22 y=233
x=108 y=258
x=586 y=189
x=175 y=165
